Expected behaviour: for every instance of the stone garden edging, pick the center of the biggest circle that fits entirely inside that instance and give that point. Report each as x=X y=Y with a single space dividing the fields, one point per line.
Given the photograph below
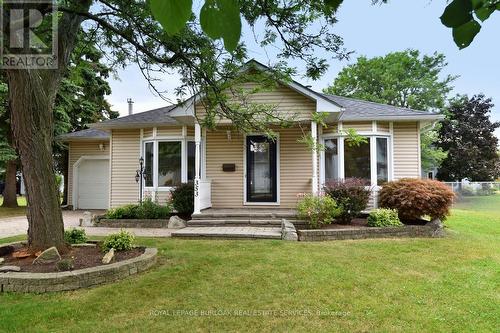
x=431 y=229
x=132 y=223
x=82 y=278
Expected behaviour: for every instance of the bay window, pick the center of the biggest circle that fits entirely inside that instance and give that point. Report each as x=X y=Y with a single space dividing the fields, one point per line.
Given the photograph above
x=168 y=163
x=368 y=160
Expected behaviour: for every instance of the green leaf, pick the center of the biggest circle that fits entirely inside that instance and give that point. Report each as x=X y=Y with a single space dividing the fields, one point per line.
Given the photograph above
x=484 y=13
x=477 y=3
x=457 y=13
x=334 y=4
x=172 y=14
x=221 y=19
x=464 y=34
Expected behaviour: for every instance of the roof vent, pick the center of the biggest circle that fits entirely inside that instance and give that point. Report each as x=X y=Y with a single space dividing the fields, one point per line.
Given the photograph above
x=130 y=106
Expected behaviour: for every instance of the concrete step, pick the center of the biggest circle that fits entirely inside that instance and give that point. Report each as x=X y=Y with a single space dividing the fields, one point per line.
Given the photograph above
x=241 y=222
x=228 y=233
x=245 y=215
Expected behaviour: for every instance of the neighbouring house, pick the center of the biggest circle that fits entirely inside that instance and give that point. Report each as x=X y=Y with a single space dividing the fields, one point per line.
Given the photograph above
x=231 y=169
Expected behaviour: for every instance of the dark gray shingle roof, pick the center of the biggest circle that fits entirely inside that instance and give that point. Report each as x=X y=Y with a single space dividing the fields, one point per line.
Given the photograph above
x=356 y=109
x=91 y=133
x=152 y=117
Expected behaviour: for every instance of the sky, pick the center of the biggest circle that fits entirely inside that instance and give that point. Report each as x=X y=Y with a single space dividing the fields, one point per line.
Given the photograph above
x=369 y=30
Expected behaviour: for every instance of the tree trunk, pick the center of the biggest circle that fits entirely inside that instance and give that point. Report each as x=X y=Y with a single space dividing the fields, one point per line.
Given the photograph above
x=64 y=166
x=31 y=95
x=10 y=190
x=31 y=101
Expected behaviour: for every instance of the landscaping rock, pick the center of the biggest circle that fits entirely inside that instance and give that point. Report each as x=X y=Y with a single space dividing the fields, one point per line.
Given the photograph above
x=87 y=219
x=5 y=269
x=108 y=256
x=2 y=260
x=288 y=231
x=48 y=256
x=176 y=222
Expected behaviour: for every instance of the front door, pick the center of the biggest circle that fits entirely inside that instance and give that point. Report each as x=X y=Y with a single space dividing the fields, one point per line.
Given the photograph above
x=261 y=169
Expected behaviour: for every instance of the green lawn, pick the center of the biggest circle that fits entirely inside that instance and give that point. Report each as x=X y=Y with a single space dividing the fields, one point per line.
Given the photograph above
x=10 y=212
x=402 y=285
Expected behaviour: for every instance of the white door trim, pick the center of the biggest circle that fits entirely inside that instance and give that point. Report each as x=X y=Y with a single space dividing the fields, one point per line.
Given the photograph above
x=278 y=186
x=74 y=199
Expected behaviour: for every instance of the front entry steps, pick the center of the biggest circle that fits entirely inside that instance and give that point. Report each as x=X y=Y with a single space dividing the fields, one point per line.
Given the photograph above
x=251 y=217
x=229 y=232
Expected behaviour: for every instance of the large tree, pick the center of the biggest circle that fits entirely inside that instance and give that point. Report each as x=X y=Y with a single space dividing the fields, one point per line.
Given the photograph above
x=468 y=135
x=127 y=32
x=403 y=79
x=81 y=99
x=8 y=157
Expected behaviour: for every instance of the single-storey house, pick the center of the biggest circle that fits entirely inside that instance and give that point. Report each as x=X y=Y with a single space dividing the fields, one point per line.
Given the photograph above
x=231 y=169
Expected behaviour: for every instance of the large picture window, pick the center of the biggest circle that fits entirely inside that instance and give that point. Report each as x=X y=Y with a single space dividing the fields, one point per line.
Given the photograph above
x=369 y=160
x=357 y=161
x=169 y=163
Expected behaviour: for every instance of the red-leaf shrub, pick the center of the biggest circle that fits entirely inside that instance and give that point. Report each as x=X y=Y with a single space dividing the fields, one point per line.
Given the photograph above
x=351 y=194
x=414 y=198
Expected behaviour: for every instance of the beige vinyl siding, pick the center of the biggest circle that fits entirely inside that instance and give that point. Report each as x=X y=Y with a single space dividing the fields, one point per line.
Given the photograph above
x=383 y=127
x=78 y=149
x=190 y=131
x=295 y=167
x=169 y=131
x=125 y=151
x=228 y=187
x=147 y=133
x=288 y=103
x=365 y=126
x=406 y=150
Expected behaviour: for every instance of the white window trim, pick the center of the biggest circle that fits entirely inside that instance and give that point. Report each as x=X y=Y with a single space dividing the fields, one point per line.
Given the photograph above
x=278 y=186
x=372 y=136
x=184 y=159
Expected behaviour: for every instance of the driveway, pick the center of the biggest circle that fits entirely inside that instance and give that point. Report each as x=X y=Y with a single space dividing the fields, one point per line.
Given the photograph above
x=13 y=226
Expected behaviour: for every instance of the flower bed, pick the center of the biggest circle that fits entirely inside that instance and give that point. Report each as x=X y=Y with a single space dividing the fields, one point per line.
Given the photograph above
x=359 y=230
x=80 y=278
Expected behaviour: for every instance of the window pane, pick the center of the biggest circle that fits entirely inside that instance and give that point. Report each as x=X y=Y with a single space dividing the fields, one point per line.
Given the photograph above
x=331 y=159
x=382 y=164
x=357 y=161
x=191 y=160
x=148 y=161
x=169 y=163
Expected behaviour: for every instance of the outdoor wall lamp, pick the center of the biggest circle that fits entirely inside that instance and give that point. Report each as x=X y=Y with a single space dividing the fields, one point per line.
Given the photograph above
x=101 y=146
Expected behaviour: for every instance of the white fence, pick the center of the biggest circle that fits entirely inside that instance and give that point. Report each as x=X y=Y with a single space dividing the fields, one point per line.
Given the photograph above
x=467 y=188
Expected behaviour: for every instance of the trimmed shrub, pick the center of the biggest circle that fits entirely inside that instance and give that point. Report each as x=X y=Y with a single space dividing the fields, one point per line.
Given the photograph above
x=147 y=210
x=183 y=199
x=75 y=236
x=415 y=198
x=351 y=195
x=384 y=217
x=317 y=210
x=121 y=241
x=64 y=265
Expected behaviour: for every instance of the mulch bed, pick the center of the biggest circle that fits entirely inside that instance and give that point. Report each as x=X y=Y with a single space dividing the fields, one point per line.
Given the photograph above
x=84 y=257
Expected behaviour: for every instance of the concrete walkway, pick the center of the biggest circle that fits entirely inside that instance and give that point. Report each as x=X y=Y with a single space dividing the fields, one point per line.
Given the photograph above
x=13 y=226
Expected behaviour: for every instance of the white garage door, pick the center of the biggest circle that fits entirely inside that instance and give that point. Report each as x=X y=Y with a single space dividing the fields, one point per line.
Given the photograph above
x=93 y=184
